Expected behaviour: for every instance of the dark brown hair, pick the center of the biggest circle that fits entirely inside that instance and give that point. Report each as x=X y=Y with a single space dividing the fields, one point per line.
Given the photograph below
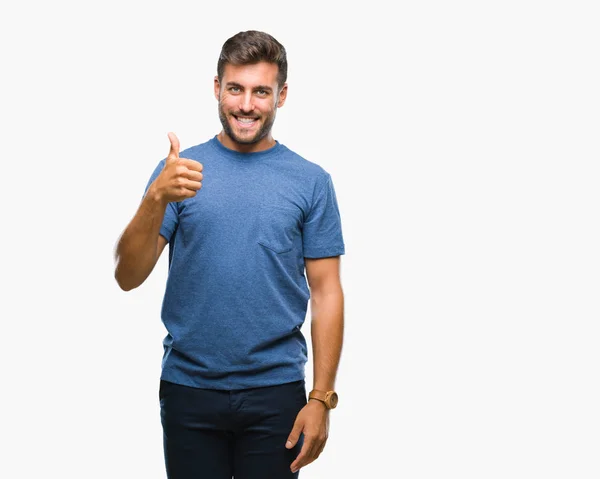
x=247 y=48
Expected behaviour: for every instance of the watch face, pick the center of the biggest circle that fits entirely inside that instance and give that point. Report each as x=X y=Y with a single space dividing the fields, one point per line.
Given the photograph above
x=334 y=400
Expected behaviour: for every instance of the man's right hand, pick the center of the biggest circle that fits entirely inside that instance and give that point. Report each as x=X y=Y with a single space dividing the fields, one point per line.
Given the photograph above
x=180 y=178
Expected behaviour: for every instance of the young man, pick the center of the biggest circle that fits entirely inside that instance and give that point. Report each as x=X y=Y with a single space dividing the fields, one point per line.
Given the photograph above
x=245 y=219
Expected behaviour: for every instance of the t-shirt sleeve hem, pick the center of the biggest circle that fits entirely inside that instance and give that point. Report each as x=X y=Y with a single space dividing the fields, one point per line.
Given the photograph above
x=164 y=231
x=323 y=253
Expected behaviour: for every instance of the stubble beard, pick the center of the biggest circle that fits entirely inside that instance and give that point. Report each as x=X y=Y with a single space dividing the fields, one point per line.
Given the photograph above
x=262 y=132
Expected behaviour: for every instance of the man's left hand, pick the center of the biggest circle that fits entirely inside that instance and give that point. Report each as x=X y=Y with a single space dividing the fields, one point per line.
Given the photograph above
x=313 y=421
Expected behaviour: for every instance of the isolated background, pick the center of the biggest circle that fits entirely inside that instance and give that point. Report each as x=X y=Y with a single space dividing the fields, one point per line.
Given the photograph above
x=462 y=138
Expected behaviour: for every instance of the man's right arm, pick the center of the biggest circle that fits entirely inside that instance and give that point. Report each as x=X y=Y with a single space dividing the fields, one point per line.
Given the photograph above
x=141 y=244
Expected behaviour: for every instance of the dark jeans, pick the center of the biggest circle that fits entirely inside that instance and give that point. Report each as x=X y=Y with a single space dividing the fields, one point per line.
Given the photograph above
x=217 y=434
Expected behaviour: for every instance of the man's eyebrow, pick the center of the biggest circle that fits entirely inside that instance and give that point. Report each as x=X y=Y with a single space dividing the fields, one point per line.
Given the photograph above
x=259 y=87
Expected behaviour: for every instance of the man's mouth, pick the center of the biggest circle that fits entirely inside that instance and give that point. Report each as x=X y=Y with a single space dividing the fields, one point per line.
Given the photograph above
x=245 y=121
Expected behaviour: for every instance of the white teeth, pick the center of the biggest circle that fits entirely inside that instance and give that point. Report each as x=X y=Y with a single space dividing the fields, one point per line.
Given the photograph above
x=245 y=120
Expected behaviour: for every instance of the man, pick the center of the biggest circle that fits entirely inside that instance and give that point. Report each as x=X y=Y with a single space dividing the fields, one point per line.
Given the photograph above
x=245 y=219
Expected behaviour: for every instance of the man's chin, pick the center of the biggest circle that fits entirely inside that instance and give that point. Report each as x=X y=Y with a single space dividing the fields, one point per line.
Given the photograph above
x=246 y=138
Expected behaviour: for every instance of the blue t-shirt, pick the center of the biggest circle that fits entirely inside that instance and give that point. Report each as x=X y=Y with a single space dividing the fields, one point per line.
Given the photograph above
x=236 y=294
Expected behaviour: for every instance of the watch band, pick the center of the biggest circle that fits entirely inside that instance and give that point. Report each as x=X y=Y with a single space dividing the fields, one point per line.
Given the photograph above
x=316 y=394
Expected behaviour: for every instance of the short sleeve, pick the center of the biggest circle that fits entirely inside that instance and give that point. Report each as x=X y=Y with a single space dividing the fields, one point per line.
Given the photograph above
x=322 y=229
x=171 y=218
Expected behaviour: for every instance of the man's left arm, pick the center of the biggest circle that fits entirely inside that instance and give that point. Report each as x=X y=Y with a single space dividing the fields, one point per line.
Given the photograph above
x=327 y=331
x=327 y=319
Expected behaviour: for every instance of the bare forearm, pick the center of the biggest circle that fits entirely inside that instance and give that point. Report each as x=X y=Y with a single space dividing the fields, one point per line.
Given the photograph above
x=327 y=331
x=136 y=250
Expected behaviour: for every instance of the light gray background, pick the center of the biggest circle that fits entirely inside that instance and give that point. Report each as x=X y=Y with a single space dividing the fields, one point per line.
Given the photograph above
x=462 y=138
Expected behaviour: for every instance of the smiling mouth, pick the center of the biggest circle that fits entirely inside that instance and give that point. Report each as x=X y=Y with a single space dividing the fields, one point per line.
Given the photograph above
x=245 y=121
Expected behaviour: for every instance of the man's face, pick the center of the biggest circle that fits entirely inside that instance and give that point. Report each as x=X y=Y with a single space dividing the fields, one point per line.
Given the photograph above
x=248 y=98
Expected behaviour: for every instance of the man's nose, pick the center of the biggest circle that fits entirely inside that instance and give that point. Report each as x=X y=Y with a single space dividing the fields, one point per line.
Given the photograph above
x=247 y=104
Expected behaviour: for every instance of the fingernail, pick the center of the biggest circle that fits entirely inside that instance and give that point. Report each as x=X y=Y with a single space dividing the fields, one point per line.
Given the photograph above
x=288 y=444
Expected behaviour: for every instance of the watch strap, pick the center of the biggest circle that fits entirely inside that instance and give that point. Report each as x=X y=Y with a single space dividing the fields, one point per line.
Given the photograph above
x=316 y=394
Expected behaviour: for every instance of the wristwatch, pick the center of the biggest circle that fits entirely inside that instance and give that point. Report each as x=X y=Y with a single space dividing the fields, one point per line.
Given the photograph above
x=329 y=398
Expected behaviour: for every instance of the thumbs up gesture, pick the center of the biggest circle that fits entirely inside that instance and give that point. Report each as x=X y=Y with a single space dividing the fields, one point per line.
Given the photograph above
x=180 y=178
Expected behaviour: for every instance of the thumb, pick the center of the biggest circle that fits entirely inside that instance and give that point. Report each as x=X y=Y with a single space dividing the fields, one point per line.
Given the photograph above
x=294 y=435
x=174 y=151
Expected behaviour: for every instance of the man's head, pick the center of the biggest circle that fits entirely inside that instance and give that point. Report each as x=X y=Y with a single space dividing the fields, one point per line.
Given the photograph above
x=250 y=85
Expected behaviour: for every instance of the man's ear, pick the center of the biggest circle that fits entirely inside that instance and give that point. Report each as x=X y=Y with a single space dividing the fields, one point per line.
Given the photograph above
x=217 y=87
x=282 y=95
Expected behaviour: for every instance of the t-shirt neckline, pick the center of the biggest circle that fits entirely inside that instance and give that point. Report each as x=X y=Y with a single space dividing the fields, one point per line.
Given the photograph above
x=237 y=155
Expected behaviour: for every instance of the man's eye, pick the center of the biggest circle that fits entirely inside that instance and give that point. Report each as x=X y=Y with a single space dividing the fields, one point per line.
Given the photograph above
x=261 y=92
x=234 y=89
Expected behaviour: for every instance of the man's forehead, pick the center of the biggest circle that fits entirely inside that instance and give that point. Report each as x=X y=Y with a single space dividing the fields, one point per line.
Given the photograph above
x=248 y=75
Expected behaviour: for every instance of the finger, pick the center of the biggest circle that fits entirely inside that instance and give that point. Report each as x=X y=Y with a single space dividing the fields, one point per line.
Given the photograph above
x=192 y=185
x=174 y=151
x=312 y=453
x=193 y=175
x=186 y=193
x=191 y=164
x=304 y=455
x=320 y=451
x=295 y=434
